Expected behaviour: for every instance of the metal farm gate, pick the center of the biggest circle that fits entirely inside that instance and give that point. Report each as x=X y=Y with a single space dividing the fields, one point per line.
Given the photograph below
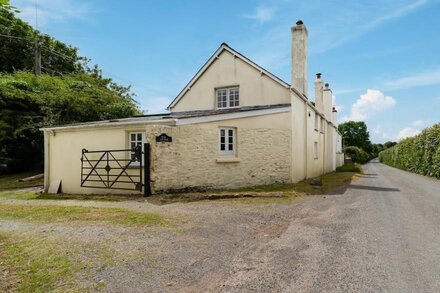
x=126 y=169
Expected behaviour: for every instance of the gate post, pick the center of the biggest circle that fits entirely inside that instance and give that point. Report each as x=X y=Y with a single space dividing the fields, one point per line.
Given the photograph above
x=147 y=175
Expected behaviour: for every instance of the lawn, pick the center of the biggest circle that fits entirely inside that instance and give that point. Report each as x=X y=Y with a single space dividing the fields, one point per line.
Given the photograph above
x=72 y=214
x=10 y=181
x=264 y=193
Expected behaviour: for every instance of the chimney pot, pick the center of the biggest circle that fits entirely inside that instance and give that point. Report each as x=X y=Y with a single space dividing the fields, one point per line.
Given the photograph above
x=327 y=85
x=318 y=75
x=299 y=22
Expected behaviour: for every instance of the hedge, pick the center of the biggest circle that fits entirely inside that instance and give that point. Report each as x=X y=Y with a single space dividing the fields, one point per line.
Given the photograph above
x=357 y=155
x=419 y=154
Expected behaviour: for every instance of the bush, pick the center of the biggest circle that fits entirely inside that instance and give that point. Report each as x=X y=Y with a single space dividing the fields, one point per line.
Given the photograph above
x=351 y=167
x=356 y=154
x=419 y=154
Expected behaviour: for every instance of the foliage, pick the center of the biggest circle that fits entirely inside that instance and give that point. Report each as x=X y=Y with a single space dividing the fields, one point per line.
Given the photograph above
x=357 y=154
x=419 y=154
x=350 y=167
x=17 y=50
x=28 y=102
x=355 y=133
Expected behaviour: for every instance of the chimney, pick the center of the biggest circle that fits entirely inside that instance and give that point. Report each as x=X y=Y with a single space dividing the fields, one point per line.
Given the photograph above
x=335 y=116
x=327 y=98
x=299 y=57
x=319 y=87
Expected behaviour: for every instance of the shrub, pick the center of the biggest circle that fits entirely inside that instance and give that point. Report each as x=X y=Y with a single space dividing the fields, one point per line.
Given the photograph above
x=351 y=167
x=356 y=154
x=419 y=154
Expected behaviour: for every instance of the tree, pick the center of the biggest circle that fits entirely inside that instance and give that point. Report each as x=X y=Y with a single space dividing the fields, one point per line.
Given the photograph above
x=355 y=133
x=17 y=47
x=28 y=102
x=389 y=144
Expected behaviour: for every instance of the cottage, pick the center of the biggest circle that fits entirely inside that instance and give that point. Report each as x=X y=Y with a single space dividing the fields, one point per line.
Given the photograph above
x=234 y=124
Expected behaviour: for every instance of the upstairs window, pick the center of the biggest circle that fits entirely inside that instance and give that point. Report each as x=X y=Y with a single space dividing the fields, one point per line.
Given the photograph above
x=227 y=141
x=316 y=122
x=228 y=97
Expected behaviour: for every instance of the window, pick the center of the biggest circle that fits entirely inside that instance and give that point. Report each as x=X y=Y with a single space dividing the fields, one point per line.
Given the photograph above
x=315 y=150
x=135 y=139
x=227 y=141
x=316 y=121
x=228 y=97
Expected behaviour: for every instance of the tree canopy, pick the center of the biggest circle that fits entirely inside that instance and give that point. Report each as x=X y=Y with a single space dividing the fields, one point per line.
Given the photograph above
x=355 y=133
x=68 y=91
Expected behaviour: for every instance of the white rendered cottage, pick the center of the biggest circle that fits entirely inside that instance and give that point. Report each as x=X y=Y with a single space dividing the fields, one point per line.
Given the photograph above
x=234 y=124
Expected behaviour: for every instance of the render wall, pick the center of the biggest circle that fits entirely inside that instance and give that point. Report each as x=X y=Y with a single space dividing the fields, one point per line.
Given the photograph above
x=255 y=87
x=191 y=160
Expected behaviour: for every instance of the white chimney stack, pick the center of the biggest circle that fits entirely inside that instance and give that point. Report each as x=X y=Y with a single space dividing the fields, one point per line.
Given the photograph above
x=299 y=57
x=319 y=88
x=328 y=102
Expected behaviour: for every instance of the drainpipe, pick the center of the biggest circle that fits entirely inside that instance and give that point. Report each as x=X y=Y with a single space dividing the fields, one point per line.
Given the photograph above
x=305 y=138
x=46 y=161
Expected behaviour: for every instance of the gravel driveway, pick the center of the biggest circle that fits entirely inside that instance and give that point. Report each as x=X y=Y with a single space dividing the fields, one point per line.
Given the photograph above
x=380 y=234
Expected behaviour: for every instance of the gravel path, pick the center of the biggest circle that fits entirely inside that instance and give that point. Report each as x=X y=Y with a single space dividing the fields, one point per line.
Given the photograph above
x=380 y=234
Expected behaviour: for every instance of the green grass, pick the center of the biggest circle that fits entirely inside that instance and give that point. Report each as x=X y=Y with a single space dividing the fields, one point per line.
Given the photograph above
x=351 y=167
x=9 y=181
x=35 y=263
x=330 y=182
x=80 y=214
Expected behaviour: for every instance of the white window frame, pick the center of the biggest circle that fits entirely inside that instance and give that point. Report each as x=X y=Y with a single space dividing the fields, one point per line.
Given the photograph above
x=130 y=141
x=227 y=143
x=227 y=93
x=316 y=121
x=315 y=150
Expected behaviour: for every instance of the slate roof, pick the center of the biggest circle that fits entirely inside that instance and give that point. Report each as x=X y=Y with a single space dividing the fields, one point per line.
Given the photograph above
x=176 y=115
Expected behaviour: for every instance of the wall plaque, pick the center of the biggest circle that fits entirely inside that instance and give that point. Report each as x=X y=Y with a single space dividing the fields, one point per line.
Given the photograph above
x=164 y=138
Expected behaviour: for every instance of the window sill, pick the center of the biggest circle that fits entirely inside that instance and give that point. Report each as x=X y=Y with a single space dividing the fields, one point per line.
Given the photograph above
x=137 y=166
x=316 y=130
x=228 y=160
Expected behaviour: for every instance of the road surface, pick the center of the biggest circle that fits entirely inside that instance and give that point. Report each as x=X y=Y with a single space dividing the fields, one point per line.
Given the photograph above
x=381 y=234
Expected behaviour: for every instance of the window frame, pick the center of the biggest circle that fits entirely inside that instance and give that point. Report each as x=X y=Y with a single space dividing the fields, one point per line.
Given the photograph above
x=317 y=121
x=226 y=151
x=142 y=141
x=315 y=150
x=232 y=95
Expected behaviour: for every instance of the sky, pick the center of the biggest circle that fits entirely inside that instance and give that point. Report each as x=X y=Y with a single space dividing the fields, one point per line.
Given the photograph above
x=380 y=57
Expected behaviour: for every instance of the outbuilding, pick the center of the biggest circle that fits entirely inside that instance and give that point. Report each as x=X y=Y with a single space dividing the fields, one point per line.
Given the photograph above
x=233 y=125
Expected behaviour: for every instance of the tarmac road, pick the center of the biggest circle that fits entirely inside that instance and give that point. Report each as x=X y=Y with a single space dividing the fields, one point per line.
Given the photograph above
x=381 y=234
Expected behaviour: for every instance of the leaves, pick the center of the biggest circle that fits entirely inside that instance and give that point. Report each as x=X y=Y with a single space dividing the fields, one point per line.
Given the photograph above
x=29 y=103
x=419 y=154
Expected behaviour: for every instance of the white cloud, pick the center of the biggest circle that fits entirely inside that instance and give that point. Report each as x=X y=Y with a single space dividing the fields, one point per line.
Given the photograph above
x=50 y=11
x=261 y=14
x=370 y=104
x=407 y=132
x=418 y=123
x=431 y=77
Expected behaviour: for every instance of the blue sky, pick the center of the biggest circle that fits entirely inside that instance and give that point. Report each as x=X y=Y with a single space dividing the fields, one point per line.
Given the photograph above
x=381 y=57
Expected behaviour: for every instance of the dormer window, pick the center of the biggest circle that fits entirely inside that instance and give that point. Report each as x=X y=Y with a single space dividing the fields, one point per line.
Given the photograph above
x=228 y=97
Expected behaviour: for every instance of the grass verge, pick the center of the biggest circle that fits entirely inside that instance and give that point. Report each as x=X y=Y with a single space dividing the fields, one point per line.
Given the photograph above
x=327 y=183
x=351 y=167
x=80 y=214
x=10 y=181
x=33 y=264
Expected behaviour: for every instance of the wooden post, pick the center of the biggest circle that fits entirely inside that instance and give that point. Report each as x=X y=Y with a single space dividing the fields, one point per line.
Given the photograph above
x=147 y=175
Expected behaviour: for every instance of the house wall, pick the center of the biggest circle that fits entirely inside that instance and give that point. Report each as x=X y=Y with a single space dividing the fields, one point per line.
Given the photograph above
x=255 y=87
x=191 y=160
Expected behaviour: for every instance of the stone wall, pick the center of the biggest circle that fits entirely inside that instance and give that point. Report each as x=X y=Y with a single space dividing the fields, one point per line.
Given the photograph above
x=191 y=160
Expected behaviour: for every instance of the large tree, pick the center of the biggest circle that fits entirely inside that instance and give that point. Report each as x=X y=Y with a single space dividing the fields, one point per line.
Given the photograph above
x=355 y=133
x=68 y=91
